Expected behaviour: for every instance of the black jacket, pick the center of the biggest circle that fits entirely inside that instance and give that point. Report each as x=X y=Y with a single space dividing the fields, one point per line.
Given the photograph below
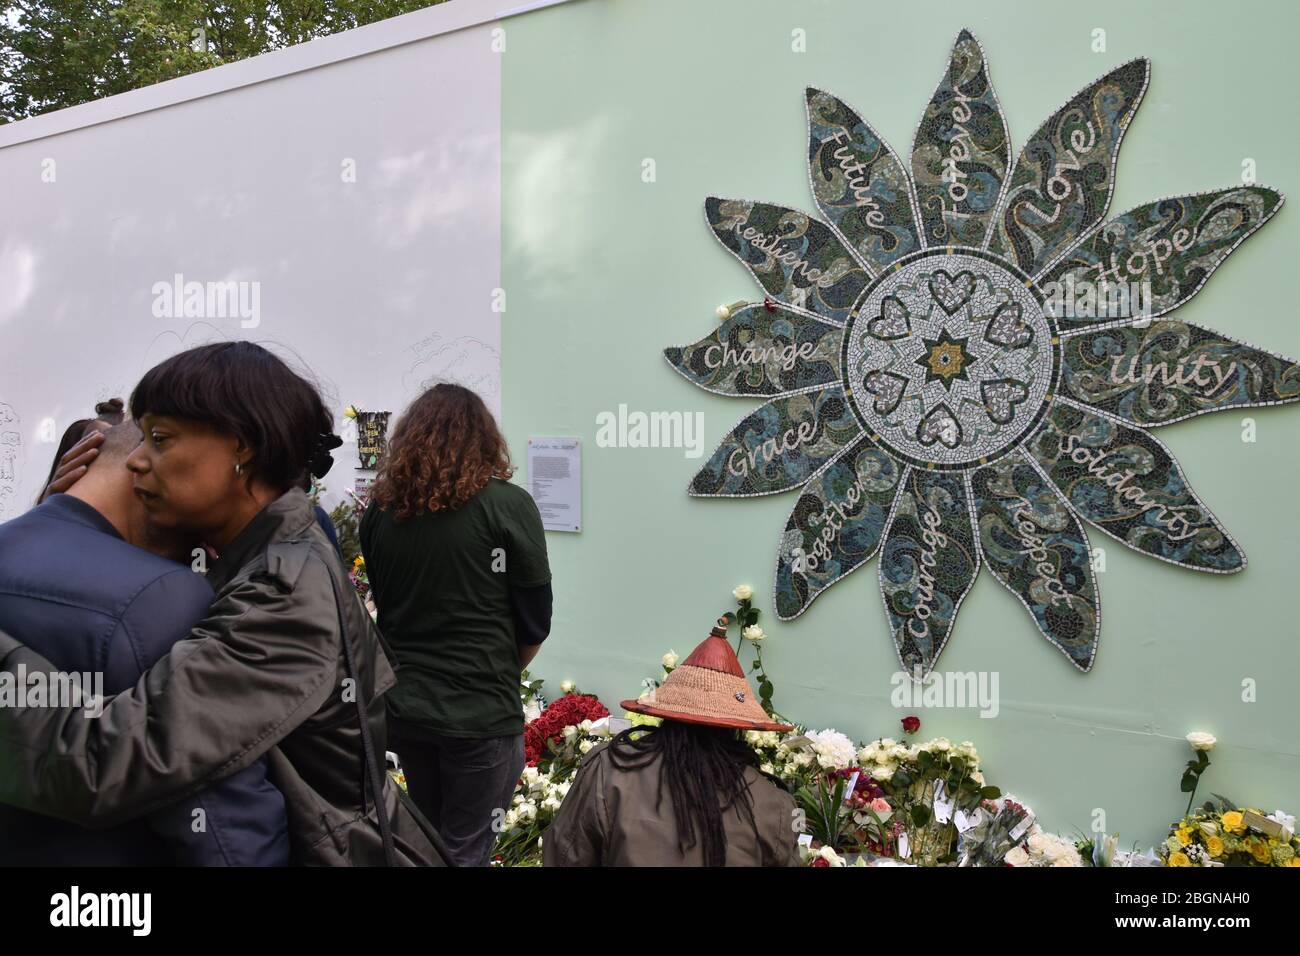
x=263 y=673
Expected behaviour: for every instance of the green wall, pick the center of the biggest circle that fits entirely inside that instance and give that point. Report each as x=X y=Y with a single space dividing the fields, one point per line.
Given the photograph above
x=602 y=271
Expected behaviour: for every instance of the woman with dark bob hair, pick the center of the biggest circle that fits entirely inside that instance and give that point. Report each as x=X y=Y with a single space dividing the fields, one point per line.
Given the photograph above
x=456 y=557
x=287 y=662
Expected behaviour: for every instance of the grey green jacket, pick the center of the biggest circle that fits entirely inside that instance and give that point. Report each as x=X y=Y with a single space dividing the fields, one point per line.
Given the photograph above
x=613 y=817
x=263 y=673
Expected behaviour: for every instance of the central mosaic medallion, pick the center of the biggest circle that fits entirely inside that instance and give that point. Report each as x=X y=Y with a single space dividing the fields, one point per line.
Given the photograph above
x=950 y=358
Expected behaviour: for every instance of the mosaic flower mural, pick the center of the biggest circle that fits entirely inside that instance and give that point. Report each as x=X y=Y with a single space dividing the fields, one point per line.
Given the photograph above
x=962 y=360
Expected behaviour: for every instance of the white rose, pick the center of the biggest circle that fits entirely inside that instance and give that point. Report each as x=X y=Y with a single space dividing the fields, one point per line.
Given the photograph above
x=585 y=726
x=530 y=774
x=1017 y=856
x=585 y=746
x=567 y=687
x=670 y=660
x=834 y=750
x=753 y=633
x=527 y=811
x=886 y=742
x=768 y=768
x=868 y=754
x=883 y=773
x=510 y=820
x=743 y=593
x=941 y=744
x=977 y=777
x=1201 y=741
x=570 y=732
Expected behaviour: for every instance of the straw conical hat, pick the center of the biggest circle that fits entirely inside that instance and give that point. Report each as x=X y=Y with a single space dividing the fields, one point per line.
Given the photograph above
x=708 y=688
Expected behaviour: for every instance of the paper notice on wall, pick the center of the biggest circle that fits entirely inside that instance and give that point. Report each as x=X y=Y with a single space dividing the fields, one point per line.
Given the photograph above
x=555 y=481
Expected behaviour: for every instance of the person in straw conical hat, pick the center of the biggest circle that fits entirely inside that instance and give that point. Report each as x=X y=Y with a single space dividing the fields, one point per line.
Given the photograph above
x=686 y=793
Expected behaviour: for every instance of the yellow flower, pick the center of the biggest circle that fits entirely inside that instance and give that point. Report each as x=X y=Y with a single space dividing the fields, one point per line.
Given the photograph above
x=358 y=561
x=1259 y=850
x=1232 y=822
x=1179 y=859
x=1184 y=836
x=1215 y=846
x=1294 y=861
x=350 y=412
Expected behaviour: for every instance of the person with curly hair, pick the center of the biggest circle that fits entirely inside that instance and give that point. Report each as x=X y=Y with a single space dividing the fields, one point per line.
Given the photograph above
x=456 y=556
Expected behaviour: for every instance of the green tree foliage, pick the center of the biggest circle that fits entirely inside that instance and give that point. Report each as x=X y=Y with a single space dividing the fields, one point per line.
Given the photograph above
x=57 y=53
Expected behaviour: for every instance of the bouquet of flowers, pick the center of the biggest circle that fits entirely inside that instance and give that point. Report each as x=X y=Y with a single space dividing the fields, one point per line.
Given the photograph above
x=992 y=830
x=532 y=808
x=1220 y=834
x=1043 y=849
x=927 y=785
x=1104 y=850
x=543 y=736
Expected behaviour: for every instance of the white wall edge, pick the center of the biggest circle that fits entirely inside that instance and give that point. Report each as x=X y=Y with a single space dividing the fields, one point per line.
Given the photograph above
x=323 y=51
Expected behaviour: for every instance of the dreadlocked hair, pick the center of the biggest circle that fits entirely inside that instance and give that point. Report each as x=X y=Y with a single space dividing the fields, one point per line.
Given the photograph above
x=704 y=772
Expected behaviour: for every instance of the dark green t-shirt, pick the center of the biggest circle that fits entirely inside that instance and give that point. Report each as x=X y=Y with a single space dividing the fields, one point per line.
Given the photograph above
x=441 y=582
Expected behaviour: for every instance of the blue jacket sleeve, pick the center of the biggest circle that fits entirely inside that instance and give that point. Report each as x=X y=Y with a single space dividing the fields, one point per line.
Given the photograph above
x=240 y=820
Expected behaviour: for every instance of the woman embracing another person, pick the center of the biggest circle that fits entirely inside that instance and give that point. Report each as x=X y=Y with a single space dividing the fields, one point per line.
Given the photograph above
x=287 y=663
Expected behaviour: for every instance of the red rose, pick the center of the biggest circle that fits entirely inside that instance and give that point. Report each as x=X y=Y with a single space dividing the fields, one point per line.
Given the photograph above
x=820 y=861
x=911 y=725
x=569 y=711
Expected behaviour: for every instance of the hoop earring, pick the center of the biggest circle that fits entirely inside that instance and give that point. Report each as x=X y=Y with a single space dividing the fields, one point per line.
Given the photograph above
x=239 y=469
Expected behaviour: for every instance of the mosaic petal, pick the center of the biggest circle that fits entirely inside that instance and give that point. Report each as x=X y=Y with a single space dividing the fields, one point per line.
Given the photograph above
x=797 y=259
x=780 y=445
x=835 y=526
x=859 y=183
x=1126 y=482
x=1037 y=549
x=1154 y=258
x=1169 y=370
x=927 y=564
x=762 y=351
x=961 y=152
x=1063 y=179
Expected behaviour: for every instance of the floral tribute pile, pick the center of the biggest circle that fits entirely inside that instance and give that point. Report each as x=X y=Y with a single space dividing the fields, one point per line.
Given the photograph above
x=888 y=801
